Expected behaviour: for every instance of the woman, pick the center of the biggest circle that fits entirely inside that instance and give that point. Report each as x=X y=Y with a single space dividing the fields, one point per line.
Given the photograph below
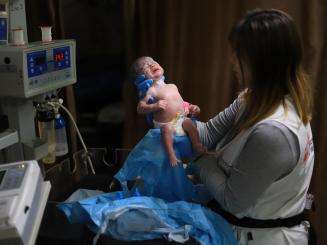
x=262 y=169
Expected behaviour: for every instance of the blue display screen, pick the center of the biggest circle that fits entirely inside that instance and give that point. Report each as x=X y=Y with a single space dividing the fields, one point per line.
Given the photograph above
x=3 y=29
x=36 y=63
x=61 y=58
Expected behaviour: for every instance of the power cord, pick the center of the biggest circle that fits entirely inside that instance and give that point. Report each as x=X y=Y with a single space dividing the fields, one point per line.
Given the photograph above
x=59 y=104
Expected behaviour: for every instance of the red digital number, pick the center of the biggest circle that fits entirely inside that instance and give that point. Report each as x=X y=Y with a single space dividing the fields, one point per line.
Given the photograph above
x=59 y=57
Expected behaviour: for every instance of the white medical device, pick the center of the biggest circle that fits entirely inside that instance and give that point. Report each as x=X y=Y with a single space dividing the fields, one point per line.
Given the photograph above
x=23 y=196
x=25 y=72
x=36 y=68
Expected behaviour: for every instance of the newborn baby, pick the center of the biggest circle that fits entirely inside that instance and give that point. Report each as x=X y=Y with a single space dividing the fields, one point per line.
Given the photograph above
x=169 y=110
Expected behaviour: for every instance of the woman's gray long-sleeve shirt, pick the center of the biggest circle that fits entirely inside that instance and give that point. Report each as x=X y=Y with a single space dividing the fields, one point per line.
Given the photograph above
x=270 y=153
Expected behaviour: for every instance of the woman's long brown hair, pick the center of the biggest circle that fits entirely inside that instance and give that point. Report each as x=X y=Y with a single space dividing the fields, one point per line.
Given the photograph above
x=268 y=44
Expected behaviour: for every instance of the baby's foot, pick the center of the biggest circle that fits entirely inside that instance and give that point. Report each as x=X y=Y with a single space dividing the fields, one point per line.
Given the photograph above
x=174 y=161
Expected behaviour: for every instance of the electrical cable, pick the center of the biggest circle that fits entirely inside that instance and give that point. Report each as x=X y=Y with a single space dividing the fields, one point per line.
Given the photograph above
x=53 y=103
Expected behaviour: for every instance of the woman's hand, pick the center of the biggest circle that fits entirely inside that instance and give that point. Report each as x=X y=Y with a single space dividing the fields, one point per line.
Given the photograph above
x=196 y=165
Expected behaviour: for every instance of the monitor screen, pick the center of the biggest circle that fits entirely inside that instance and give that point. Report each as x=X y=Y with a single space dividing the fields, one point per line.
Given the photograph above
x=59 y=57
x=39 y=60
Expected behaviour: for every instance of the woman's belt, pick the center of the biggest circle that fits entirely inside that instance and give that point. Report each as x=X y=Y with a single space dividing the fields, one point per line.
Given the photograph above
x=247 y=222
x=267 y=223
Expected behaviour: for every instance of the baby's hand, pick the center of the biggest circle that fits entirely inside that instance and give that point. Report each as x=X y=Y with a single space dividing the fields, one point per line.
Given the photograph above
x=194 y=110
x=161 y=105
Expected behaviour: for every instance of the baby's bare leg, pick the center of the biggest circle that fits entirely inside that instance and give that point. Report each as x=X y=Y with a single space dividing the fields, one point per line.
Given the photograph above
x=193 y=133
x=168 y=141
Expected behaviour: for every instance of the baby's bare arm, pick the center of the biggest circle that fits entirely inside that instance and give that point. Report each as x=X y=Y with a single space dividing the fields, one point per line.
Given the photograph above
x=144 y=108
